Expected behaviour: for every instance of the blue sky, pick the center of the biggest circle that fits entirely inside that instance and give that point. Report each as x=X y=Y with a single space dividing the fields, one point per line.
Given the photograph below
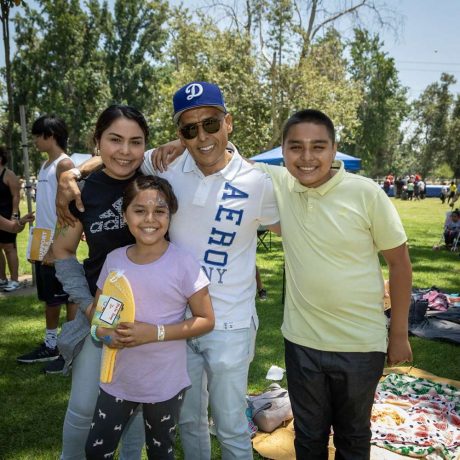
x=427 y=44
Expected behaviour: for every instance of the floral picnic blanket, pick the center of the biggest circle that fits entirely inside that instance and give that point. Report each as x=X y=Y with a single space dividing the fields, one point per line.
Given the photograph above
x=417 y=417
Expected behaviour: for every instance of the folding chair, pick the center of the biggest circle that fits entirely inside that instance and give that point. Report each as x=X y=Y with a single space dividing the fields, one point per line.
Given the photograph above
x=262 y=234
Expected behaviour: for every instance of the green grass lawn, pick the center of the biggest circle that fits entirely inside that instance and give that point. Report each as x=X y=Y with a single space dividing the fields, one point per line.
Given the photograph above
x=32 y=406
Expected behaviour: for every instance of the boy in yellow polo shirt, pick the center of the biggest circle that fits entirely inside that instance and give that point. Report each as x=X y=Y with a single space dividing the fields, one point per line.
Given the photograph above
x=334 y=224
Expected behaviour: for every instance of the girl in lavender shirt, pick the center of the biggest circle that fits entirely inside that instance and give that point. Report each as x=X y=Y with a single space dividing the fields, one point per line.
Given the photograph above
x=164 y=279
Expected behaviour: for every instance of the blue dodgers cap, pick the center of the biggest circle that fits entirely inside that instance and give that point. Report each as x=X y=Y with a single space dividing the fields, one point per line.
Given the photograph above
x=197 y=94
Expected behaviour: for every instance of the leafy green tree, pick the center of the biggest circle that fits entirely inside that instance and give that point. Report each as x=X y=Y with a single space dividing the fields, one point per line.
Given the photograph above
x=285 y=35
x=318 y=81
x=5 y=8
x=275 y=58
x=135 y=41
x=383 y=106
x=431 y=117
x=60 y=65
x=261 y=93
x=199 y=50
x=453 y=140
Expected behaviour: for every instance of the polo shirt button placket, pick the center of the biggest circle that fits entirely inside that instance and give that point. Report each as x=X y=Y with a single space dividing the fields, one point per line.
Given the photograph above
x=309 y=202
x=202 y=192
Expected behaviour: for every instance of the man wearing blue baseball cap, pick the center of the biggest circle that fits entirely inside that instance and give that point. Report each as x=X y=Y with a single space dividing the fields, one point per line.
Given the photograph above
x=222 y=201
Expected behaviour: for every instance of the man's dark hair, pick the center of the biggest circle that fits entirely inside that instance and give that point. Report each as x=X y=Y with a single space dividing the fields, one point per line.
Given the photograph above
x=310 y=116
x=52 y=126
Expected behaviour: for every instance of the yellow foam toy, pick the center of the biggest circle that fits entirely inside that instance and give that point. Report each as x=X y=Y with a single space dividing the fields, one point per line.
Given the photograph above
x=116 y=287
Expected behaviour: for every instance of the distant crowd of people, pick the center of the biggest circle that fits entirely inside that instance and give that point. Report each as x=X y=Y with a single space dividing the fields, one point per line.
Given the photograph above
x=413 y=187
x=408 y=187
x=450 y=193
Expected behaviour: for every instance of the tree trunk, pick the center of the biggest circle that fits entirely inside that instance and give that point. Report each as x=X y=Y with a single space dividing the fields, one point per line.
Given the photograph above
x=9 y=83
x=275 y=91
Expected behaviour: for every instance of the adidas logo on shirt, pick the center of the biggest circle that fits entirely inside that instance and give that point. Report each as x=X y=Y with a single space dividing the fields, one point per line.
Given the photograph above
x=112 y=219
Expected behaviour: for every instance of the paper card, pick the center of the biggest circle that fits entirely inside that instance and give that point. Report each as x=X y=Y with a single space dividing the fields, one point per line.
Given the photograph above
x=40 y=240
x=111 y=308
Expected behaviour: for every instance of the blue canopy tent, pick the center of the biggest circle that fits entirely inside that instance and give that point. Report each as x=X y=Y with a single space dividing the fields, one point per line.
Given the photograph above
x=275 y=157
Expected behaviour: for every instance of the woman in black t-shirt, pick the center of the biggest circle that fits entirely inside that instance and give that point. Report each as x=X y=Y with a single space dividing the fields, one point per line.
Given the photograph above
x=120 y=137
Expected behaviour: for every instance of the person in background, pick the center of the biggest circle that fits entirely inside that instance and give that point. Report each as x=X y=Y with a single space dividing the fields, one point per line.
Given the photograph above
x=422 y=188
x=16 y=225
x=410 y=188
x=455 y=198
x=417 y=190
x=444 y=192
x=399 y=184
x=9 y=208
x=50 y=135
x=451 y=227
x=452 y=191
x=387 y=185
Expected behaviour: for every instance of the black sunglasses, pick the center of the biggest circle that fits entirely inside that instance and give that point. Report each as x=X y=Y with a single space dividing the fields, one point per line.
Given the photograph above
x=210 y=125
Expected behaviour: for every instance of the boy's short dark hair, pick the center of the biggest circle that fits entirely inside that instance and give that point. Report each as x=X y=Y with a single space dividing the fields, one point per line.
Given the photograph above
x=50 y=125
x=310 y=116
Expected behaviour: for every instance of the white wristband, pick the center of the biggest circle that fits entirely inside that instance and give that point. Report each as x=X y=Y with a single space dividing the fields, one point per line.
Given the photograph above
x=76 y=172
x=161 y=333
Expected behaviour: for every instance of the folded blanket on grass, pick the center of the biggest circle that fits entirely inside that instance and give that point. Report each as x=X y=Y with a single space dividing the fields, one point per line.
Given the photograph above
x=279 y=445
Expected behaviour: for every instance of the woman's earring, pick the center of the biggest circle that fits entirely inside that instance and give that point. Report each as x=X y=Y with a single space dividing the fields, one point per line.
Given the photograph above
x=97 y=152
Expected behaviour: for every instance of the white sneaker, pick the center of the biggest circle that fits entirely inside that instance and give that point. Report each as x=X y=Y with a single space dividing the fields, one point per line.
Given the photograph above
x=3 y=283
x=12 y=286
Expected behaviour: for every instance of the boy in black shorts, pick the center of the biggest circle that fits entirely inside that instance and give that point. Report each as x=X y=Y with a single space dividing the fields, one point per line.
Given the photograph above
x=50 y=136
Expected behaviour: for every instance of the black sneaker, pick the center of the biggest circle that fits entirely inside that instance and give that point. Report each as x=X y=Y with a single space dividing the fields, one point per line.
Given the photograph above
x=55 y=367
x=262 y=294
x=39 y=355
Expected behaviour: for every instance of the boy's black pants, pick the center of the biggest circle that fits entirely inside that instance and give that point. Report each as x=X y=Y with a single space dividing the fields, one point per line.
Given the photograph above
x=332 y=389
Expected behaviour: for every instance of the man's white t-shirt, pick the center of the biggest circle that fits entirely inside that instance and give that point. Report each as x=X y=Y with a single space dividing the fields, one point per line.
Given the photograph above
x=217 y=222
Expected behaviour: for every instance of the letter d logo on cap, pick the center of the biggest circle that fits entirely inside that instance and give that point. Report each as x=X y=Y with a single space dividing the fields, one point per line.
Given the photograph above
x=193 y=90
